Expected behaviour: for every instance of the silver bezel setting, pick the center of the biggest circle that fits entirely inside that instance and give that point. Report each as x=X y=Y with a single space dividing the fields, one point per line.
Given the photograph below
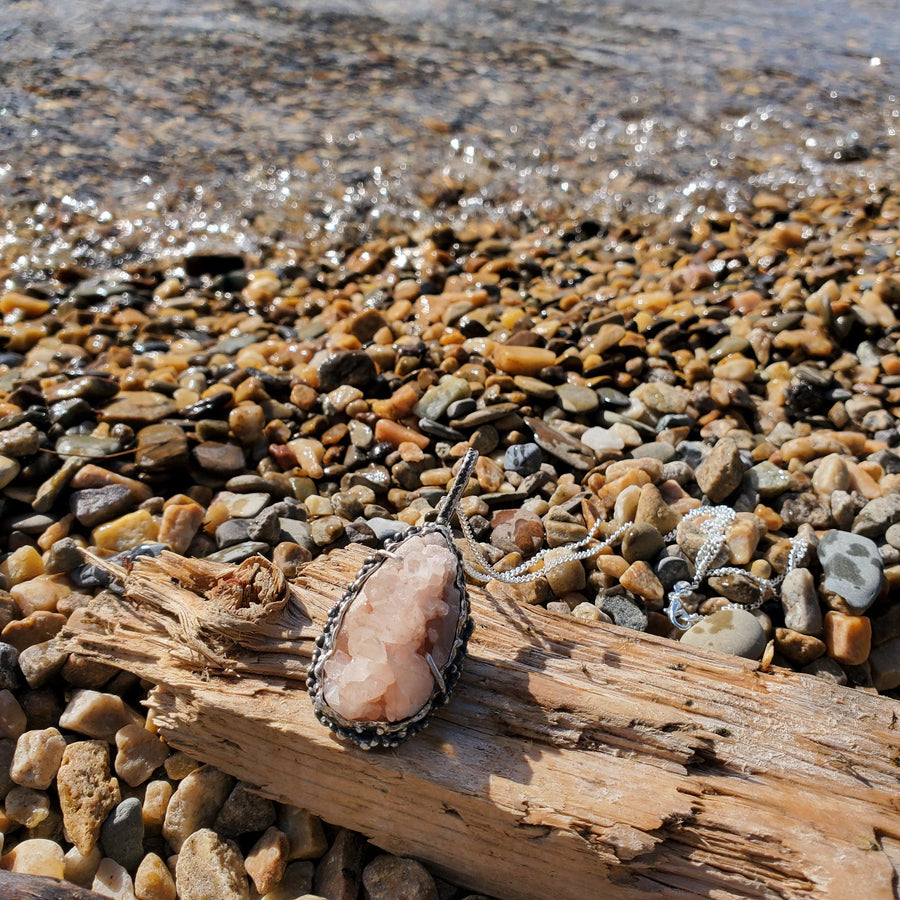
x=389 y=734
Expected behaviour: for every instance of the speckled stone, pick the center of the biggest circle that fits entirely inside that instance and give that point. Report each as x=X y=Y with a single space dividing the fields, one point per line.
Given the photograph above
x=853 y=568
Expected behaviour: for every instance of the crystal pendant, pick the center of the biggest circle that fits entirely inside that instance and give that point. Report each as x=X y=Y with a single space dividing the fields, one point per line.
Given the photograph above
x=393 y=645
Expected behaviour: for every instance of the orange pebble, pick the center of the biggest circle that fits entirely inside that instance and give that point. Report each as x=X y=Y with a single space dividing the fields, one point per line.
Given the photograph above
x=396 y=434
x=848 y=638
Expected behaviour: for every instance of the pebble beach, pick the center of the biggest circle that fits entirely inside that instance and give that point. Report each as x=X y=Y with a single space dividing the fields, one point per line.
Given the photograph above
x=260 y=296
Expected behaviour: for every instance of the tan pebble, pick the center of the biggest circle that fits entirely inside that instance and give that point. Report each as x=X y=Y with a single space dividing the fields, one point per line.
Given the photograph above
x=831 y=475
x=36 y=857
x=653 y=467
x=309 y=454
x=92 y=476
x=811 y=447
x=153 y=881
x=267 y=860
x=87 y=793
x=653 y=509
x=489 y=475
x=37 y=758
x=81 y=868
x=195 y=804
x=179 y=523
x=156 y=801
x=522 y=360
x=799 y=648
x=127 y=531
x=318 y=506
x=863 y=482
x=610 y=564
x=587 y=612
x=22 y=565
x=610 y=491
x=387 y=877
x=735 y=368
x=98 y=715
x=848 y=638
x=626 y=503
x=35 y=628
x=743 y=538
x=27 y=806
x=640 y=579
x=247 y=422
x=209 y=867
x=563 y=575
x=140 y=753
x=760 y=568
x=533 y=593
x=12 y=716
x=662 y=398
x=628 y=434
x=304 y=831
x=437 y=478
x=112 y=880
x=290 y=558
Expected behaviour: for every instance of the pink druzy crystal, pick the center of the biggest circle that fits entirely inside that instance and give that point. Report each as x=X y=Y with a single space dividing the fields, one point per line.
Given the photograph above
x=408 y=608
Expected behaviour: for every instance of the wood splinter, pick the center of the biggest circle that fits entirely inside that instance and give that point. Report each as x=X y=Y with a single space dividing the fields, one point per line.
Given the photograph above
x=573 y=761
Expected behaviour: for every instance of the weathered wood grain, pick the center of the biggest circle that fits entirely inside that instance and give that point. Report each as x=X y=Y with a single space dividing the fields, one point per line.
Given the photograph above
x=574 y=760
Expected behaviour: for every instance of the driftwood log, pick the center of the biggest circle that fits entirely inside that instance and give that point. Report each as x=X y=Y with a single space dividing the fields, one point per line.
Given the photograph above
x=574 y=761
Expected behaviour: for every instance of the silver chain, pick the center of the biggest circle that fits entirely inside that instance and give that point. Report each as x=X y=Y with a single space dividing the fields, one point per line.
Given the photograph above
x=715 y=527
x=716 y=522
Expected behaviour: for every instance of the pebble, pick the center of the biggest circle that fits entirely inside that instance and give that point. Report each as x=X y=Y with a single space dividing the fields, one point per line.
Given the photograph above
x=122 y=834
x=848 y=638
x=153 y=881
x=306 y=837
x=37 y=758
x=720 y=473
x=641 y=541
x=517 y=531
x=36 y=856
x=339 y=873
x=884 y=660
x=799 y=648
x=27 y=807
x=522 y=360
x=525 y=459
x=195 y=804
x=623 y=611
x=602 y=440
x=12 y=717
x=156 y=801
x=87 y=793
x=639 y=579
x=563 y=575
x=267 y=860
x=653 y=509
x=800 y=602
x=209 y=867
x=853 y=568
x=389 y=877
x=877 y=516
x=733 y=631
x=112 y=880
x=98 y=715
x=244 y=811
x=81 y=868
x=577 y=399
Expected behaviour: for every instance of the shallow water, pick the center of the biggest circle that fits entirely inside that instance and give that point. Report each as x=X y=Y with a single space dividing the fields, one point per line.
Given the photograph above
x=130 y=129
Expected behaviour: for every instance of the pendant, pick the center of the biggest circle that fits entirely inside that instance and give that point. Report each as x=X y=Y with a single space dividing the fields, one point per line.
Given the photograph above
x=393 y=646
